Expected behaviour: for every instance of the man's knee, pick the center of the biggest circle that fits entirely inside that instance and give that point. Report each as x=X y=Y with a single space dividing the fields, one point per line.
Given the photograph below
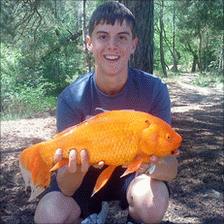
x=54 y=207
x=148 y=199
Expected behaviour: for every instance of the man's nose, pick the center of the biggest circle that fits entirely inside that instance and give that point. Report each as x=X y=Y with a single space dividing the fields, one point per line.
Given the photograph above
x=113 y=43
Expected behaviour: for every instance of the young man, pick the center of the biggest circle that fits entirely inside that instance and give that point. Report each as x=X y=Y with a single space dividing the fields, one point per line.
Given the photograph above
x=113 y=85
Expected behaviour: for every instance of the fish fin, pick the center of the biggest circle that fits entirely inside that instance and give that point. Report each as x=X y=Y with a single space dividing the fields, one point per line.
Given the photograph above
x=88 y=118
x=103 y=179
x=27 y=177
x=133 y=166
x=59 y=165
x=34 y=170
x=100 y=109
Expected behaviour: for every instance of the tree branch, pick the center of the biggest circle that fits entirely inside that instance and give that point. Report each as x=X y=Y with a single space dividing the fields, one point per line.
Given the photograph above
x=66 y=41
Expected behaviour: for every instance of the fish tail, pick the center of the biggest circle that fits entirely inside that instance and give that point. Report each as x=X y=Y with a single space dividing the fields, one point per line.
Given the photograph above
x=34 y=170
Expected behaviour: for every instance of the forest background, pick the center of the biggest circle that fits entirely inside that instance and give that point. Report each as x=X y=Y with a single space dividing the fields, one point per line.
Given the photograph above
x=43 y=47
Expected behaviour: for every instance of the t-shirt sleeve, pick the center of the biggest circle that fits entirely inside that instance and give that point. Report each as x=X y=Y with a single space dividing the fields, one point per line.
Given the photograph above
x=65 y=115
x=161 y=106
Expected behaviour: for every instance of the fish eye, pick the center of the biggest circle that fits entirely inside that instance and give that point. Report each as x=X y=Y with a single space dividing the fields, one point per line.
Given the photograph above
x=168 y=137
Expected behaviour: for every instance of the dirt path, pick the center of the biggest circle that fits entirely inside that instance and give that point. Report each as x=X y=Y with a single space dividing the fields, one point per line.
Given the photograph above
x=197 y=193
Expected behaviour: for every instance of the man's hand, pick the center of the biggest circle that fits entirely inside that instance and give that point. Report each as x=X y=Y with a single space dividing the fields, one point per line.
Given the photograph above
x=161 y=169
x=153 y=160
x=70 y=176
x=72 y=166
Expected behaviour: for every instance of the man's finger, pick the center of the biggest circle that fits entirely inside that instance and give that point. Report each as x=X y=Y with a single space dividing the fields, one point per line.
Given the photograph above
x=84 y=161
x=151 y=169
x=99 y=165
x=143 y=168
x=72 y=164
x=58 y=155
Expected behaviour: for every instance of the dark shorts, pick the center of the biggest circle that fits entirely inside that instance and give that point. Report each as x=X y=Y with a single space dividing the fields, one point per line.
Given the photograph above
x=115 y=189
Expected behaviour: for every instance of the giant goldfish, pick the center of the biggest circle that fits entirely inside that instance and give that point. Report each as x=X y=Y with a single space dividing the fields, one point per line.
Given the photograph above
x=118 y=137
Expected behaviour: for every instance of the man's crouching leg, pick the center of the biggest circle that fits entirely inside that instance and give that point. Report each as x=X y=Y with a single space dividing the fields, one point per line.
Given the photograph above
x=55 y=207
x=148 y=199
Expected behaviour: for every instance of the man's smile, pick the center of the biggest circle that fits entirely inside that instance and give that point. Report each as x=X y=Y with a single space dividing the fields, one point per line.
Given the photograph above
x=111 y=57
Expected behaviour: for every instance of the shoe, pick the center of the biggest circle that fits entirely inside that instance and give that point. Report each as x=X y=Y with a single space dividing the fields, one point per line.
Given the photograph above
x=134 y=222
x=98 y=218
x=130 y=220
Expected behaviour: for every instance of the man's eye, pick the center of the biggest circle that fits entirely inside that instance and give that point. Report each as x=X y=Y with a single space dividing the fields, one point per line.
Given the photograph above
x=123 y=38
x=102 y=37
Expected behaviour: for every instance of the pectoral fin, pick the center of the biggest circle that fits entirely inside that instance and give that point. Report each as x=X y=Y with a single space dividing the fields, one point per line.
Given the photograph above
x=59 y=165
x=133 y=166
x=103 y=178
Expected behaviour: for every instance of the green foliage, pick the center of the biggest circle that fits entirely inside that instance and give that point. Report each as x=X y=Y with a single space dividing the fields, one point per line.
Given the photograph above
x=209 y=80
x=20 y=97
x=26 y=101
x=198 y=31
x=42 y=47
x=201 y=28
x=41 y=53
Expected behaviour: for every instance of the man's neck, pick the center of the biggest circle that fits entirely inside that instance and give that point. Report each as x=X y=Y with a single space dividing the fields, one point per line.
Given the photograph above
x=111 y=85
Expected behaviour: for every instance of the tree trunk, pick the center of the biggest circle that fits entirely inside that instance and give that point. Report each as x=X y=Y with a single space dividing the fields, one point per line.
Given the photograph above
x=87 y=55
x=144 y=12
x=56 y=63
x=162 y=57
x=221 y=58
x=175 y=56
x=200 y=64
x=194 y=63
x=195 y=56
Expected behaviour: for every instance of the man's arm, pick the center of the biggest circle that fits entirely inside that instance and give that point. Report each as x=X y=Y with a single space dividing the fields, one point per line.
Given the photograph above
x=70 y=177
x=166 y=168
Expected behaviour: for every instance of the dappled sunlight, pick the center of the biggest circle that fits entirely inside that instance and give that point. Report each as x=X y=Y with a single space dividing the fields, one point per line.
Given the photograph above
x=198 y=116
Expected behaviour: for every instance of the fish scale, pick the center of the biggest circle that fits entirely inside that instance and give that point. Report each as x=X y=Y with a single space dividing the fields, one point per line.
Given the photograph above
x=103 y=142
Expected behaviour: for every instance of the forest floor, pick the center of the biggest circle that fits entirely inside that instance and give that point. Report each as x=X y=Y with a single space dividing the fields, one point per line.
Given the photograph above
x=196 y=193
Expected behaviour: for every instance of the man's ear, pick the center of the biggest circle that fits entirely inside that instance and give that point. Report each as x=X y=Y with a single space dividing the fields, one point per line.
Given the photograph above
x=134 y=45
x=89 y=43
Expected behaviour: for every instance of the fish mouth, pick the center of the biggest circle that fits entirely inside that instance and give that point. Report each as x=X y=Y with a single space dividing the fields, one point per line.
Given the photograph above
x=175 y=152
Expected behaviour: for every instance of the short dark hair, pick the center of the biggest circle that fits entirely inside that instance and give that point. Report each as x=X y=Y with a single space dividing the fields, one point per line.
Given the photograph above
x=109 y=13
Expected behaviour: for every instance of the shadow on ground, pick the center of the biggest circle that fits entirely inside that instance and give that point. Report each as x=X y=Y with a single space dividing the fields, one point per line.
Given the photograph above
x=197 y=192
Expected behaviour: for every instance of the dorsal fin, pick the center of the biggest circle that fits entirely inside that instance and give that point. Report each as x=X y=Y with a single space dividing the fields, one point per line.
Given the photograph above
x=67 y=130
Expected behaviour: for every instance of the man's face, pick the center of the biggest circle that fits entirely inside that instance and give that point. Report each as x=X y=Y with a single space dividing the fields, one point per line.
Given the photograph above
x=112 y=47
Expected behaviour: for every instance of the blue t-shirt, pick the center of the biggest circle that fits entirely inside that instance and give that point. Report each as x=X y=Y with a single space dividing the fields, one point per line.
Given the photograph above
x=82 y=98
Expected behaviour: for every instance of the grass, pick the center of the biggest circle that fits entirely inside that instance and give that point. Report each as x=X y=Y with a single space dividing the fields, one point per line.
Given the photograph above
x=209 y=80
x=20 y=109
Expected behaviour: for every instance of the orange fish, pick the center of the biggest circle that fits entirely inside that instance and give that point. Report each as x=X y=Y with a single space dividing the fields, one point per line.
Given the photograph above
x=119 y=137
